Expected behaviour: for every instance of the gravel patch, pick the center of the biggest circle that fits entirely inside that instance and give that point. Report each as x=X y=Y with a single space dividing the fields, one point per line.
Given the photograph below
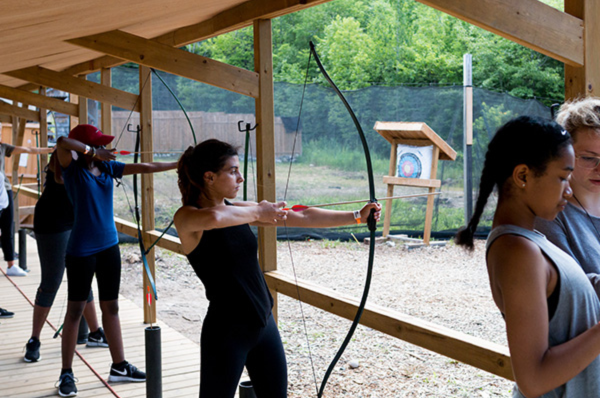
x=443 y=285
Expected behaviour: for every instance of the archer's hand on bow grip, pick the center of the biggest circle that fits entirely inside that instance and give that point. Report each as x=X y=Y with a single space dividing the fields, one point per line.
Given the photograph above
x=374 y=210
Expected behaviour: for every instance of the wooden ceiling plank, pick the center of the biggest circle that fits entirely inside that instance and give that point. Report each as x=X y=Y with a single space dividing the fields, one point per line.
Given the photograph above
x=179 y=62
x=235 y=18
x=40 y=101
x=83 y=88
x=17 y=111
x=229 y=20
x=540 y=26
x=528 y=22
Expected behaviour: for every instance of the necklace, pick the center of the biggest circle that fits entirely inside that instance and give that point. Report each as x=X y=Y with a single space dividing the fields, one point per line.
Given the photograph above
x=588 y=215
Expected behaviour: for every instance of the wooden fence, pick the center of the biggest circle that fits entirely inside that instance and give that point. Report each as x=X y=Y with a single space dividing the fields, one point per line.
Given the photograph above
x=172 y=131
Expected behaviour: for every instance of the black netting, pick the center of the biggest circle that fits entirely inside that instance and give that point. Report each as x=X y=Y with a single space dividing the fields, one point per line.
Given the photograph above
x=328 y=164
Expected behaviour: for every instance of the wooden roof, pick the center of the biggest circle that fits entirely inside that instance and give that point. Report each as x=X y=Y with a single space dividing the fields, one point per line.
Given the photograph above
x=413 y=132
x=35 y=32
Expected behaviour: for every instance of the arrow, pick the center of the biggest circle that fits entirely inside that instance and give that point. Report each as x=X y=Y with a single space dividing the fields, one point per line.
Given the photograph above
x=133 y=153
x=304 y=207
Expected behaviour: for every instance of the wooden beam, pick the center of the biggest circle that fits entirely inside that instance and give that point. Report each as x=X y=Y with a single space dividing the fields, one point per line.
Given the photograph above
x=17 y=140
x=585 y=80
x=172 y=60
x=17 y=111
x=414 y=182
x=41 y=101
x=229 y=20
x=106 y=108
x=26 y=191
x=167 y=242
x=43 y=141
x=476 y=352
x=70 y=84
x=527 y=22
x=575 y=75
x=238 y=17
x=265 y=141
x=147 y=147
x=592 y=48
x=482 y=354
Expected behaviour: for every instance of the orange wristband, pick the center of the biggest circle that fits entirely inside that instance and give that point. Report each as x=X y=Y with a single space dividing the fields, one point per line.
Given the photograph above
x=356 y=216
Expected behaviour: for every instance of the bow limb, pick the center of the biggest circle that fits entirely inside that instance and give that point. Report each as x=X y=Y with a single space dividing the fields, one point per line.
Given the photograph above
x=371 y=224
x=195 y=143
x=178 y=103
x=138 y=220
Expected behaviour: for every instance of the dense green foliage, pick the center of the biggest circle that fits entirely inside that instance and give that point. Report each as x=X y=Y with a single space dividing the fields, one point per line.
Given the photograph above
x=393 y=42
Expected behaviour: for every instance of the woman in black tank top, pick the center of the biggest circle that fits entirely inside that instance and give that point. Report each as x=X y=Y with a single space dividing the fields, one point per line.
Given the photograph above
x=239 y=329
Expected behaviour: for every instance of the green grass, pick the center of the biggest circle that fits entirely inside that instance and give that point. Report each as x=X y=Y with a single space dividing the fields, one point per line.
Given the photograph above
x=320 y=175
x=322 y=153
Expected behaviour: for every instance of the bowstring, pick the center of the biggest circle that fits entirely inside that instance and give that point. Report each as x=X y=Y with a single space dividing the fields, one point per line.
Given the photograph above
x=289 y=244
x=137 y=101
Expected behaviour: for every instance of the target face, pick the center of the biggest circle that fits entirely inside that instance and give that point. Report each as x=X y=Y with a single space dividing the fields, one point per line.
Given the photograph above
x=409 y=166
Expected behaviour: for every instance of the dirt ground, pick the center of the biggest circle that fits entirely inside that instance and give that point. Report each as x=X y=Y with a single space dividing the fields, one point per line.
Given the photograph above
x=442 y=285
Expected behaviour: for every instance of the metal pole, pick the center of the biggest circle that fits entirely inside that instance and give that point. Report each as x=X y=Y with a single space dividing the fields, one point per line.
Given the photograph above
x=468 y=135
x=246 y=390
x=153 y=363
x=23 y=249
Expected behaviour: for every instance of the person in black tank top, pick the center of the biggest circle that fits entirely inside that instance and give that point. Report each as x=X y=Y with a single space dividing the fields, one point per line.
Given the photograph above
x=239 y=329
x=53 y=221
x=550 y=308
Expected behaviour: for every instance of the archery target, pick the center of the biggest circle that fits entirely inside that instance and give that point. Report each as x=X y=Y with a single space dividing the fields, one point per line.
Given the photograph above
x=414 y=161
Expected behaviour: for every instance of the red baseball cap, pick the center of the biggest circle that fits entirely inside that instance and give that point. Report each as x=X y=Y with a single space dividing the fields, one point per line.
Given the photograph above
x=90 y=135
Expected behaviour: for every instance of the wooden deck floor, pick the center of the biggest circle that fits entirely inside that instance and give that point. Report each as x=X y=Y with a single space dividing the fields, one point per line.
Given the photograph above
x=18 y=379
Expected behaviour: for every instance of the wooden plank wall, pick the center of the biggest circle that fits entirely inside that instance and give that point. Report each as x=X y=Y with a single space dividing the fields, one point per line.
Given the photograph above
x=172 y=131
x=30 y=172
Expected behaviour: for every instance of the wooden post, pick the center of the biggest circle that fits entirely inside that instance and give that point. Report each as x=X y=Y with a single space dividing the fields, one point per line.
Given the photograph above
x=74 y=120
x=83 y=108
x=265 y=141
x=147 y=147
x=431 y=198
x=387 y=219
x=585 y=81
x=106 y=108
x=43 y=142
x=18 y=135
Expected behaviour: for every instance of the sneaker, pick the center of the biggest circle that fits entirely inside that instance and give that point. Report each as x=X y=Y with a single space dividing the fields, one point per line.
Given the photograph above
x=97 y=339
x=15 y=270
x=32 y=350
x=128 y=373
x=6 y=314
x=66 y=385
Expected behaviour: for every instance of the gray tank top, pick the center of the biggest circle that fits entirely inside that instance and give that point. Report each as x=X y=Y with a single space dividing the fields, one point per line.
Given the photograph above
x=578 y=310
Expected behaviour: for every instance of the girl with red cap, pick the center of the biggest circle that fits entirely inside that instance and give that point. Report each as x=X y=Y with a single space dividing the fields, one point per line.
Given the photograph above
x=88 y=171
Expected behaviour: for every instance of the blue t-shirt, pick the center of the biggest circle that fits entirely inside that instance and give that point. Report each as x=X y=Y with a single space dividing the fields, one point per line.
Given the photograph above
x=92 y=197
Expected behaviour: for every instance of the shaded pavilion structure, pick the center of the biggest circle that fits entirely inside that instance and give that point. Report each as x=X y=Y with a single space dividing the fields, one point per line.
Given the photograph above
x=56 y=44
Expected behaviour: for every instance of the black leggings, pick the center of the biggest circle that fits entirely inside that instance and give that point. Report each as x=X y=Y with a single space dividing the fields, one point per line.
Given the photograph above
x=226 y=346
x=7 y=228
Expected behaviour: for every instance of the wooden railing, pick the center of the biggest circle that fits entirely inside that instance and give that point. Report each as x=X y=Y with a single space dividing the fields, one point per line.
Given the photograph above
x=482 y=354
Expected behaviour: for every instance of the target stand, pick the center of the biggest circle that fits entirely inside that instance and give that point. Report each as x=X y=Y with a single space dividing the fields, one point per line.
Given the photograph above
x=416 y=149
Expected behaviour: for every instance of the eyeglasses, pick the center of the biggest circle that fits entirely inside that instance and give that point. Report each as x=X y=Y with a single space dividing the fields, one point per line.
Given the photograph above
x=587 y=162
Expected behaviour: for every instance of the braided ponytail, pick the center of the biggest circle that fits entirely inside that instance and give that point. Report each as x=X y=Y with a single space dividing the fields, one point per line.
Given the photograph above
x=524 y=140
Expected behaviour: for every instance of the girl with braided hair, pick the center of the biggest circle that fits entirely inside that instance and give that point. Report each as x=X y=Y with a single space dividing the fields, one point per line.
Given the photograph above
x=550 y=308
x=239 y=329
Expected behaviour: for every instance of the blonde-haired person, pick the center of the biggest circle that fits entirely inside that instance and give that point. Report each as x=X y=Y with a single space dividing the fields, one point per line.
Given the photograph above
x=576 y=230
